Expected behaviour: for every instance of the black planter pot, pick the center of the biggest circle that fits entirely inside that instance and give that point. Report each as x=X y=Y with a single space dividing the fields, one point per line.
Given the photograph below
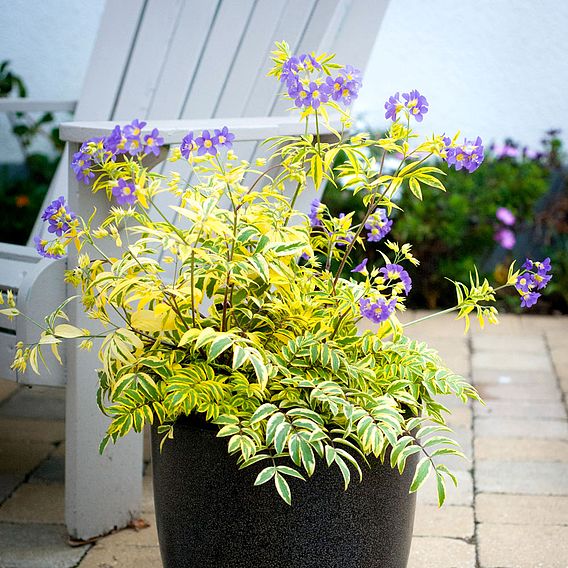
x=209 y=514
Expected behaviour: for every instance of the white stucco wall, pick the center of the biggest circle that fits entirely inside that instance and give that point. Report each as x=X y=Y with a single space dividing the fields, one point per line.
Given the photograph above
x=495 y=68
x=48 y=43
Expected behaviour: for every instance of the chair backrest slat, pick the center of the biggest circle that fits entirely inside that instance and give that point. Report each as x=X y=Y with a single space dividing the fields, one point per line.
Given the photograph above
x=217 y=57
x=109 y=59
x=188 y=42
x=147 y=60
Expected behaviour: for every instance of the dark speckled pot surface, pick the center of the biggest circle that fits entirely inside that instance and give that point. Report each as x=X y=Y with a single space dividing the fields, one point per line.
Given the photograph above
x=209 y=514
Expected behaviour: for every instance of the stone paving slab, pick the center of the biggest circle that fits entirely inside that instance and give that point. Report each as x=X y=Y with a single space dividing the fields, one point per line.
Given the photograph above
x=102 y=556
x=515 y=377
x=526 y=344
x=35 y=503
x=446 y=521
x=512 y=392
x=521 y=409
x=8 y=484
x=519 y=546
x=521 y=449
x=527 y=478
x=7 y=389
x=38 y=546
x=531 y=510
x=515 y=360
x=521 y=428
x=42 y=403
x=52 y=470
x=437 y=552
x=26 y=430
x=21 y=456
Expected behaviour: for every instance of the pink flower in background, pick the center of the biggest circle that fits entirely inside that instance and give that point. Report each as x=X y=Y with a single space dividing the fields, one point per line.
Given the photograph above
x=505 y=238
x=505 y=216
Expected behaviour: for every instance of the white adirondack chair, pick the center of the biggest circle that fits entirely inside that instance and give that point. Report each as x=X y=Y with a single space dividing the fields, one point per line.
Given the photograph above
x=175 y=64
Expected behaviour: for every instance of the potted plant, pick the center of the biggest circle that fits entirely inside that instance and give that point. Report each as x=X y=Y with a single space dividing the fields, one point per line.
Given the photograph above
x=232 y=333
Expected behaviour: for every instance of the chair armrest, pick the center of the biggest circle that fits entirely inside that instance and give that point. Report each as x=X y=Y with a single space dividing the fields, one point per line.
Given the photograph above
x=246 y=129
x=18 y=104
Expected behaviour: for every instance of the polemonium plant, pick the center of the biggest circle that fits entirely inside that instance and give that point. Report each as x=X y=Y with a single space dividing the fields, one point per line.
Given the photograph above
x=274 y=357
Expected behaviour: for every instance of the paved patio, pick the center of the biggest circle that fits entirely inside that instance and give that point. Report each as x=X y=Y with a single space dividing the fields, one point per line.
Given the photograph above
x=509 y=511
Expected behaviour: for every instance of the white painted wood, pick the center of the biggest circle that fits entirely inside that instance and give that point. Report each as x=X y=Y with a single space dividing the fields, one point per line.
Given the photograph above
x=245 y=129
x=17 y=104
x=101 y=492
x=216 y=59
x=188 y=42
x=147 y=60
x=38 y=288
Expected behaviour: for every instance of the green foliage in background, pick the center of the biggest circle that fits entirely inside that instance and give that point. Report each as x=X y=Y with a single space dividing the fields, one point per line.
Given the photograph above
x=23 y=188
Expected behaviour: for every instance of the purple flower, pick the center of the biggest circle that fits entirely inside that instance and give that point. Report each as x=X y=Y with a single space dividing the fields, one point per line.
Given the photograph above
x=133 y=132
x=224 y=138
x=396 y=272
x=60 y=220
x=529 y=280
x=378 y=311
x=316 y=213
x=317 y=94
x=206 y=144
x=134 y=129
x=542 y=278
x=342 y=90
x=290 y=70
x=187 y=145
x=469 y=156
x=393 y=106
x=505 y=238
x=378 y=225
x=505 y=216
x=47 y=249
x=352 y=74
x=152 y=142
x=309 y=62
x=506 y=151
x=124 y=192
x=525 y=282
x=115 y=143
x=81 y=165
x=299 y=93
x=362 y=267
x=529 y=299
x=416 y=104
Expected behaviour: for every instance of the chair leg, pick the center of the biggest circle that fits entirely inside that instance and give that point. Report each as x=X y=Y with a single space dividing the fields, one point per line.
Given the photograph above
x=102 y=492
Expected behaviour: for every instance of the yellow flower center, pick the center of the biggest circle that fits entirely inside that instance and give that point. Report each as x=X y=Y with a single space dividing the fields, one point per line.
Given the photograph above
x=149 y=141
x=208 y=143
x=315 y=94
x=222 y=139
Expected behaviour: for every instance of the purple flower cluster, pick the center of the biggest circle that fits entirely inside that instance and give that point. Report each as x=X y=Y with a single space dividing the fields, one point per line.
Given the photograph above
x=504 y=236
x=468 y=156
x=378 y=225
x=378 y=310
x=535 y=277
x=206 y=144
x=126 y=140
x=48 y=249
x=59 y=219
x=315 y=215
x=312 y=91
x=392 y=272
x=61 y=222
x=413 y=104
